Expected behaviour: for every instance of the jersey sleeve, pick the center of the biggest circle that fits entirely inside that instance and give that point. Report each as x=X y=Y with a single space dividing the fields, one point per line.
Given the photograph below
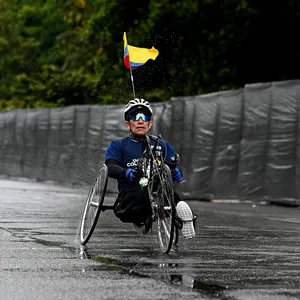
x=170 y=152
x=113 y=151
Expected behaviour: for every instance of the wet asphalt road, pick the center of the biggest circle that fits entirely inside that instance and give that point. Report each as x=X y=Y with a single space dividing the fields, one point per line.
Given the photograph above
x=241 y=251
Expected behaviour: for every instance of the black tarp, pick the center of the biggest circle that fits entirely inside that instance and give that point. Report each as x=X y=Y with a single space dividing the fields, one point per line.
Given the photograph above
x=241 y=144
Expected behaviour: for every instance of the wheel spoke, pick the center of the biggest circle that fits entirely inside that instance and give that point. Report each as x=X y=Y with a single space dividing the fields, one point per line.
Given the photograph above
x=167 y=230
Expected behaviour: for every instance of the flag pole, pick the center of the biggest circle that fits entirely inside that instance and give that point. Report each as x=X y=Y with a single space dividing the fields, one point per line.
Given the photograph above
x=131 y=76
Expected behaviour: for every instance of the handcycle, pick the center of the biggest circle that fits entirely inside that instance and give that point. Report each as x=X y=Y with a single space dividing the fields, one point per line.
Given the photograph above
x=157 y=179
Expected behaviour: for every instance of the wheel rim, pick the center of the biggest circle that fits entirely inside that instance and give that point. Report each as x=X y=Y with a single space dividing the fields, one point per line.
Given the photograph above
x=165 y=212
x=93 y=205
x=91 y=212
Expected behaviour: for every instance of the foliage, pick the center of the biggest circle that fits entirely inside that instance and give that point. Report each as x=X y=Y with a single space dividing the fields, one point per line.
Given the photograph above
x=65 y=52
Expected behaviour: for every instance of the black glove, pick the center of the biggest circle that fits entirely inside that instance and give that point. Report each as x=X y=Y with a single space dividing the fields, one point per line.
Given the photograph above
x=140 y=168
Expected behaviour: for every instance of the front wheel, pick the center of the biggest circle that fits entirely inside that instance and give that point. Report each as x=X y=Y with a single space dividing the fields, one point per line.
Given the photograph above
x=93 y=205
x=165 y=210
x=176 y=236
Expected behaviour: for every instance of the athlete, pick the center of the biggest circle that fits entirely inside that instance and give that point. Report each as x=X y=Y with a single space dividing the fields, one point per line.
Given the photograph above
x=122 y=157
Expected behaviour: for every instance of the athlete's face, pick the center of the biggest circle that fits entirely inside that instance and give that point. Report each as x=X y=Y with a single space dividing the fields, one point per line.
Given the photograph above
x=139 y=127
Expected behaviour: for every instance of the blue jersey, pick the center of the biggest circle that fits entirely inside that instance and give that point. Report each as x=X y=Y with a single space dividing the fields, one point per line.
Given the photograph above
x=127 y=152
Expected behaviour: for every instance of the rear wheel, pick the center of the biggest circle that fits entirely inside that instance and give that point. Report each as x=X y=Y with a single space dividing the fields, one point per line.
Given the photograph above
x=93 y=205
x=165 y=210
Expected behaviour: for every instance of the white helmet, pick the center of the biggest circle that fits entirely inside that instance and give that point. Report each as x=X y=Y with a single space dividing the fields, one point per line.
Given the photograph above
x=136 y=104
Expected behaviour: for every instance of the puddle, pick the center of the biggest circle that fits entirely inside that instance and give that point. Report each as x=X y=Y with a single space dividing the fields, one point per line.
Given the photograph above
x=167 y=272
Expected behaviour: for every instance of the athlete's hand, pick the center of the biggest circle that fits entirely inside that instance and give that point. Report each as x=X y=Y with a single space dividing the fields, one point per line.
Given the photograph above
x=176 y=175
x=131 y=174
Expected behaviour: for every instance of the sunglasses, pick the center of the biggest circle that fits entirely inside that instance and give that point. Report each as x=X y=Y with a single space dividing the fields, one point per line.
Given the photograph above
x=136 y=117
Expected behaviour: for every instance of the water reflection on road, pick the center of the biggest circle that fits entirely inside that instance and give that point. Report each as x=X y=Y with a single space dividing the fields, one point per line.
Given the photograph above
x=169 y=272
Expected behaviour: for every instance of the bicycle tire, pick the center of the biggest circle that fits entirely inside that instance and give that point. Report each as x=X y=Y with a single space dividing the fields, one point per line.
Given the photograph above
x=93 y=205
x=165 y=210
x=176 y=236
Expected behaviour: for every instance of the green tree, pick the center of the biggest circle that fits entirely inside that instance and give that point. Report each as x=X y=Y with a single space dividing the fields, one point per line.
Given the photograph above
x=66 y=52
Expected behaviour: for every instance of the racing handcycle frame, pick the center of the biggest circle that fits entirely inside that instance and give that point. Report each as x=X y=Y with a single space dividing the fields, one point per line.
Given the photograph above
x=160 y=192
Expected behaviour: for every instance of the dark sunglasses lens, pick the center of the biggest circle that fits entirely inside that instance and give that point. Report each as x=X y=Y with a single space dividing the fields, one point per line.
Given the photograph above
x=136 y=117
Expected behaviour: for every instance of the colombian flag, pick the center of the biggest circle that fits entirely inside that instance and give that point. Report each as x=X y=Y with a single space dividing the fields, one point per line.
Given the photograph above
x=135 y=56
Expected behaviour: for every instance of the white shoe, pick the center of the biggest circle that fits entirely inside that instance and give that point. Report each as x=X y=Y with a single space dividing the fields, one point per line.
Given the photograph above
x=186 y=215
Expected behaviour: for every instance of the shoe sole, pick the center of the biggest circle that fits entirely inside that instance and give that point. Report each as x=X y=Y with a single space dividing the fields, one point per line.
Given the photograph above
x=185 y=214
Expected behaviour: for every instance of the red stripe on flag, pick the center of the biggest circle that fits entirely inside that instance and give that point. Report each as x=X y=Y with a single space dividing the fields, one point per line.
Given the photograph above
x=126 y=61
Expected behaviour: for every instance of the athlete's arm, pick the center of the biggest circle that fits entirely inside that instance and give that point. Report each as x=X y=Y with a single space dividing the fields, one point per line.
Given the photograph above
x=114 y=169
x=113 y=159
x=172 y=158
